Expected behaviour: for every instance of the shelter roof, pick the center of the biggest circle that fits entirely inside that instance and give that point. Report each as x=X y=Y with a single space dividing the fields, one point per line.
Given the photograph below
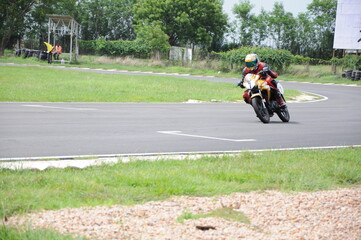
x=65 y=19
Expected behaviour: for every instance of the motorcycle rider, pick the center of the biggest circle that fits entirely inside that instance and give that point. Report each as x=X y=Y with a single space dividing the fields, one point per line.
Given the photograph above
x=254 y=66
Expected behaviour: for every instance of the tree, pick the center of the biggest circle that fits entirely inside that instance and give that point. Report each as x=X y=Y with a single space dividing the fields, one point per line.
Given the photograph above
x=107 y=18
x=260 y=28
x=119 y=15
x=36 y=21
x=305 y=40
x=246 y=22
x=323 y=17
x=12 y=16
x=282 y=27
x=93 y=19
x=194 y=22
x=153 y=35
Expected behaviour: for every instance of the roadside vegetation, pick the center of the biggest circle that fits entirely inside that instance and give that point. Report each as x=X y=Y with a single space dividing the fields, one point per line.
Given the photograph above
x=208 y=67
x=25 y=191
x=137 y=182
x=26 y=84
x=7 y=233
x=299 y=48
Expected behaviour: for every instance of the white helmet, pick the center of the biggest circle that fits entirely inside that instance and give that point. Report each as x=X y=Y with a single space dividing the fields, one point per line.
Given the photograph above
x=251 y=61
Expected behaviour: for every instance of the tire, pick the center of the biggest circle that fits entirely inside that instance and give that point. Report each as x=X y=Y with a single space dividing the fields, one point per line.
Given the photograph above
x=283 y=114
x=260 y=109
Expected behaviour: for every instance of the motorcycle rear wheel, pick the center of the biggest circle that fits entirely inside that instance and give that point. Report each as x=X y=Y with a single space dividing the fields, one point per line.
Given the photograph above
x=260 y=109
x=283 y=114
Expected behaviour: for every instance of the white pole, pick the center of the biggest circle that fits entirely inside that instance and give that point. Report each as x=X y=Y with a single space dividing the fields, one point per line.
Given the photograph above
x=49 y=30
x=76 y=41
x=71 y=40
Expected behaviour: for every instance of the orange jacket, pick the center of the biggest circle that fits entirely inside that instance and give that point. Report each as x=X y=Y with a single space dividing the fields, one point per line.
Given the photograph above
x=58 y=48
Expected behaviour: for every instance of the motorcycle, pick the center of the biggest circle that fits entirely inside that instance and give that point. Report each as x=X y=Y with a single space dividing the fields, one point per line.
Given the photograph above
x=262 y=98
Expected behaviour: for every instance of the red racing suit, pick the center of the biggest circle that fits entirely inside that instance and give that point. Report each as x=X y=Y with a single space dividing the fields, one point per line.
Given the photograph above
x=266 y=73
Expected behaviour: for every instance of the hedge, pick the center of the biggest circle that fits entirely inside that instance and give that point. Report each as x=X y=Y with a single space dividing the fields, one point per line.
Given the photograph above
x=297 y=59
x=278 y=59
x=352 y=62
x=115 y=48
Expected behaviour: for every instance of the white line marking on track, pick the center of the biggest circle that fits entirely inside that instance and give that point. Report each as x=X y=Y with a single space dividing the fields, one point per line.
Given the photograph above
x=64 y=108
x=179 y=133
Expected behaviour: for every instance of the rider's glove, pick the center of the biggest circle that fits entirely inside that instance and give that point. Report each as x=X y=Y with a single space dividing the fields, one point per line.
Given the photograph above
x=262 y=73
x=240 y=84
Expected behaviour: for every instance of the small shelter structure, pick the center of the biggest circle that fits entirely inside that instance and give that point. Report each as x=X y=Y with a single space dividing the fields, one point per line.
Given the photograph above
x=60 y=25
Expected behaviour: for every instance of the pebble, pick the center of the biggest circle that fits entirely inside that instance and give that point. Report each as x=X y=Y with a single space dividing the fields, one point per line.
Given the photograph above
x=332 y=215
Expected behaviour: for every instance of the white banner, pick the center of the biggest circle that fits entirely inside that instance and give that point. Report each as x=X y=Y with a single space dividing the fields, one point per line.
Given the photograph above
x=348 y=25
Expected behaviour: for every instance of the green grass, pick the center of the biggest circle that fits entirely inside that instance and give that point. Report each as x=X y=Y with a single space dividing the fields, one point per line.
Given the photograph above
x=130 y=64
x=8 y=233
x=316 y=74
x=141 y=181
x=27 y=84
x=226 y=213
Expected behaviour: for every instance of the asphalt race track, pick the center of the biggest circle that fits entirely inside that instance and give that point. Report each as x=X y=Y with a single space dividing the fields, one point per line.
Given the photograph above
x=78 y=129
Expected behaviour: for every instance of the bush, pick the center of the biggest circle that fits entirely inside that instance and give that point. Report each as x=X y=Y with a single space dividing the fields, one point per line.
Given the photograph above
x=301 y=60
x=279 y=60
x=297 y=59
x=352 y=62
x=115 y=48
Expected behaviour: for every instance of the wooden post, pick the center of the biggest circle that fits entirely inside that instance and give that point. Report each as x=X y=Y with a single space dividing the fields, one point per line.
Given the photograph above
x=334 y=67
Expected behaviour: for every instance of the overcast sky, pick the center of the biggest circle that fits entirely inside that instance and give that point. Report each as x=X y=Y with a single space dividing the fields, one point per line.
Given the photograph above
x=293 y=6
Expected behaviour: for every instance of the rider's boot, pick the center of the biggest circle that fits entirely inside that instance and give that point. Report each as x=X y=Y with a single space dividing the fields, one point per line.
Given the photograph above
x=246 y=97
x=279 y=99
x=278 y=95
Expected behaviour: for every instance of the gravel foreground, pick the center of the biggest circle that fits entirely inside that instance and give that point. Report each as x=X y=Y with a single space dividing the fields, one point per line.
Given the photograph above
x=327 y=215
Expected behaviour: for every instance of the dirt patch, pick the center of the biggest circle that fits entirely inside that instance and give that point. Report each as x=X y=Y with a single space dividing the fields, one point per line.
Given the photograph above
x=273 y=215
x=305 y=98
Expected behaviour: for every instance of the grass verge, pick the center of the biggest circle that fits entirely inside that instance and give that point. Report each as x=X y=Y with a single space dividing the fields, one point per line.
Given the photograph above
x=141 y=181
x=226 y=213
x=26 y=84
x=8 y=233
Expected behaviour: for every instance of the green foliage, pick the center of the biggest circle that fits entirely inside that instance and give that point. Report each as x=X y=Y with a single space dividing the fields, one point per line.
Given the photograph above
x=184 y=21
x=12 y=17
x=297 y=59
x=247 y=21
x=115 y=48
x=279 y=60
x=39 y=85
x=349 y=62
x=309 y=34
x=282 y=27
x=322 y=14
x=113 y=19
x=153 y=36
x=226 y=213
x=140 y=181
x=7 y=233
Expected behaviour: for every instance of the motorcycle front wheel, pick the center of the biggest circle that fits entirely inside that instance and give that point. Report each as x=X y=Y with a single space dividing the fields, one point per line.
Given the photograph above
x=260 y=109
